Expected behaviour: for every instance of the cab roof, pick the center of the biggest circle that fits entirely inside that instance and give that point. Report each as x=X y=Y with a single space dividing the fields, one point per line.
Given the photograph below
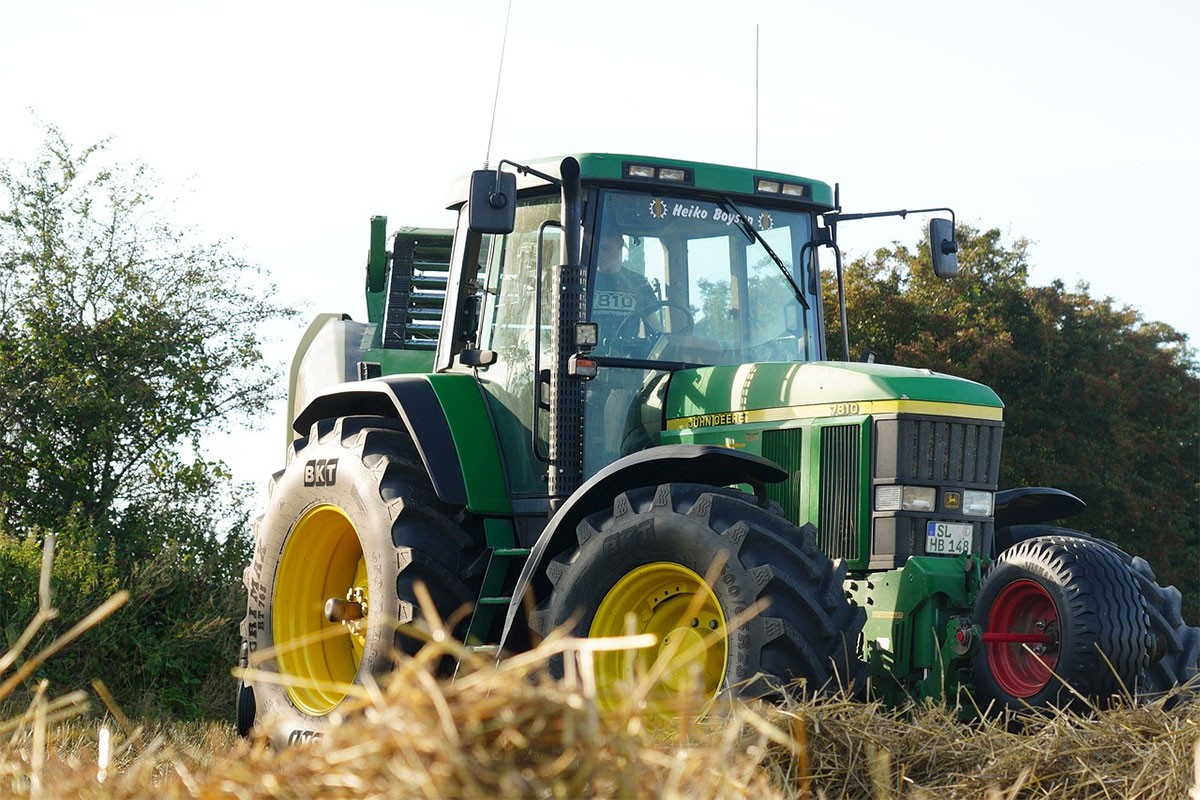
x=671 y=173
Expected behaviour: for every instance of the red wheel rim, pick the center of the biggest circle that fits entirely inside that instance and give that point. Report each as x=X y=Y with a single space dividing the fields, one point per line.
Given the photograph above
x=1023 y=607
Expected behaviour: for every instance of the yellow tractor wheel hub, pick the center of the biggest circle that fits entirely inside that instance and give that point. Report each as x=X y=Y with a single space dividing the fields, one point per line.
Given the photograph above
x=674 y=604
x=322 y=558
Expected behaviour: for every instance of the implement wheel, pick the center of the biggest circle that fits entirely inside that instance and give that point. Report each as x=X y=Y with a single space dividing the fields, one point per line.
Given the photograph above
x=1063 y=625
x=735 y=599
x=352 y=525
x=1176 y=654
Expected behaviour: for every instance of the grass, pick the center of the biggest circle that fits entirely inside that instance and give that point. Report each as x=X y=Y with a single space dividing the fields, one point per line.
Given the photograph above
x=507 y=730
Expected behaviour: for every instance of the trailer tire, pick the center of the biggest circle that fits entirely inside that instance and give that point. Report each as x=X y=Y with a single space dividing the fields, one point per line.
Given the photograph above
x=1177 y=644
x=353 y=517
x=649 y=557
x=1079 y=594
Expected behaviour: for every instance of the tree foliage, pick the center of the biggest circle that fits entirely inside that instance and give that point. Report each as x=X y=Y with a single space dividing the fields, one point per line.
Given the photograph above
x=124 y=339
x=1098 y=401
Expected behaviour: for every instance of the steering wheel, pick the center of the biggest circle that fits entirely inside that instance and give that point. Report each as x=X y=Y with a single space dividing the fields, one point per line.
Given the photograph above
x=643 y=313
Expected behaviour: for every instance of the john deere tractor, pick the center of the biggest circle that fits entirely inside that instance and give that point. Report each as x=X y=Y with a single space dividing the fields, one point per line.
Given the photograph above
x=604 y=403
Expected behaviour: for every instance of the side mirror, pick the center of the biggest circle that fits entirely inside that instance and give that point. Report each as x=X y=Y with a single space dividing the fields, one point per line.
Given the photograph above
x=945 y=249
x=492 y=204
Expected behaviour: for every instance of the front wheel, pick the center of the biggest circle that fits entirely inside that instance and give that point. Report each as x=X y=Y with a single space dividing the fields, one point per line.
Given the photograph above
x=352 y=526
x=1063 y=625
x=693 y=566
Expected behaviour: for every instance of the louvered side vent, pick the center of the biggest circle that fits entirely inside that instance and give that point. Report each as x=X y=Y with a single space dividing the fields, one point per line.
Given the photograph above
x=841 y=485
x=935 y=451
x=420 y=271
x=784 y=448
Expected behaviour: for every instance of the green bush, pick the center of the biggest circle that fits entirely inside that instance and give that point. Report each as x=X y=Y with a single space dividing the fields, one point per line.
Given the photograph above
x=168 y=651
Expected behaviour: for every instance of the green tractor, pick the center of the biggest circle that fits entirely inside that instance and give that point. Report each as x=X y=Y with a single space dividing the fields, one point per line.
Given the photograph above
x=604 y=403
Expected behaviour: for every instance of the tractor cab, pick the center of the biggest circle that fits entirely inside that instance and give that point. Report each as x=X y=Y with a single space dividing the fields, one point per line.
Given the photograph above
x=676 y=266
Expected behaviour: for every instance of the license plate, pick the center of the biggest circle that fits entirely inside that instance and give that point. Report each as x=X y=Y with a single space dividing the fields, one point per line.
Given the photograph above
x=948 y=538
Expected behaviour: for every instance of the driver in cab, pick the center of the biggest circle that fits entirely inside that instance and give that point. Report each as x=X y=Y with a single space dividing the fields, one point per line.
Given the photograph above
x=620 y=297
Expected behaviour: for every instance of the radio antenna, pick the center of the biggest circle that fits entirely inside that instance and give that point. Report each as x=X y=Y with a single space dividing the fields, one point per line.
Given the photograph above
x=756 y=95
x=487 y=156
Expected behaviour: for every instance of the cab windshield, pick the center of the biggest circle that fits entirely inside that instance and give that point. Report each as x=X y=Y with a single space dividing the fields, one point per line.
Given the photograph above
x=683 y=281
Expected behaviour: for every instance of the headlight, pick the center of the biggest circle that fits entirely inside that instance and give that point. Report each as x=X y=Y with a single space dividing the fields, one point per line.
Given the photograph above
x=906 y=498
x=977 y=503
x=919 y=498
x=887 y=498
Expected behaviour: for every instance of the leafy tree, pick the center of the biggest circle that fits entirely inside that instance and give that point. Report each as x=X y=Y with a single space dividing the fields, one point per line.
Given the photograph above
x=1098 y=401
x=124 y=339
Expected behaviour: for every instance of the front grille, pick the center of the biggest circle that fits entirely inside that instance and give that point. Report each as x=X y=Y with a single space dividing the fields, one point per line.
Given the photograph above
x=841 y=487
x=933 y=450
x=784 y=447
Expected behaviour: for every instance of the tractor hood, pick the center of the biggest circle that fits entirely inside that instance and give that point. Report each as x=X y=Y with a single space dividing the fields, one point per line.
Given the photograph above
x=776 y=392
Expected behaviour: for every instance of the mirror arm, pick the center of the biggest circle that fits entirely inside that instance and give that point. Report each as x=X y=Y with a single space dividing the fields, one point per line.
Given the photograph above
x=834 y=217
x=527 y=170
x=837 y=258
x=825 y=238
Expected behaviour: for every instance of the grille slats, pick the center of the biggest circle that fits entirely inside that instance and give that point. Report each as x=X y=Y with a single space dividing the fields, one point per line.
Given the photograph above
x=784 y=447
x=841 y=488
x=938 y=451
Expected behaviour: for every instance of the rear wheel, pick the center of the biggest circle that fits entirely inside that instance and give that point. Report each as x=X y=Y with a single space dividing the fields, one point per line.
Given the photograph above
x=1177 y=644
x=690 y=565
x=352 y=525
x=1062 y=619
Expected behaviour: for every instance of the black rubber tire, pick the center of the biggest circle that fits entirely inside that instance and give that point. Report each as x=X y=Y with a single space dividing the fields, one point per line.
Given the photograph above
x=244 y=708
x=405 y=534
x=810 y=631
x=1176 y=660
x=244 y=711
x=1101 y=629
x=1176 y=642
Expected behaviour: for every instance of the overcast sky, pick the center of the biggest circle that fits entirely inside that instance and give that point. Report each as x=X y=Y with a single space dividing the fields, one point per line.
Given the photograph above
x=286 y=125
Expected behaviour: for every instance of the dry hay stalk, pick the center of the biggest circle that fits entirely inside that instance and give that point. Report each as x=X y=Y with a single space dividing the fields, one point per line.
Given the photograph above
x=507 y=729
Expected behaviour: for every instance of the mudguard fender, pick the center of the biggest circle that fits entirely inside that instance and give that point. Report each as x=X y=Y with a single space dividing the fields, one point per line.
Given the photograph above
x=678 y=463
x=1019 y=512
x=411 y=398
x=1030 y=504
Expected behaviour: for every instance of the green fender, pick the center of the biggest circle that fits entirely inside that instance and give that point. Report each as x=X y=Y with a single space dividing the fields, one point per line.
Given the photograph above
x=447 y=420
x=680 y=463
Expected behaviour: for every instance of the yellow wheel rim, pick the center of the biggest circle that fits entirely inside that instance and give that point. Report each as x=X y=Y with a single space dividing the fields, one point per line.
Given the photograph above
x=321 y=559
x=674 y=604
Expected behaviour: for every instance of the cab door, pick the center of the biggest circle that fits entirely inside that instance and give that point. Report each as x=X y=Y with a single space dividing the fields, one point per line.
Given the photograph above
x=514 y=323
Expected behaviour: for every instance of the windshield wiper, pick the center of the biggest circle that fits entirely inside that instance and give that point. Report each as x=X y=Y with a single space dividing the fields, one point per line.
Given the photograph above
x=752 y=233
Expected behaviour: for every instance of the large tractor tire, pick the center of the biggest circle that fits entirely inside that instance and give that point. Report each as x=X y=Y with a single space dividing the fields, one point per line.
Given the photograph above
x=1176 y=643
x=352 y=525
x=688 y=564
x=1176 y=658
x=1063 y=626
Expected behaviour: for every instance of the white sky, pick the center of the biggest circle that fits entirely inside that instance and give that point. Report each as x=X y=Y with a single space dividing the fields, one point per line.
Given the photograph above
x=286 y=125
